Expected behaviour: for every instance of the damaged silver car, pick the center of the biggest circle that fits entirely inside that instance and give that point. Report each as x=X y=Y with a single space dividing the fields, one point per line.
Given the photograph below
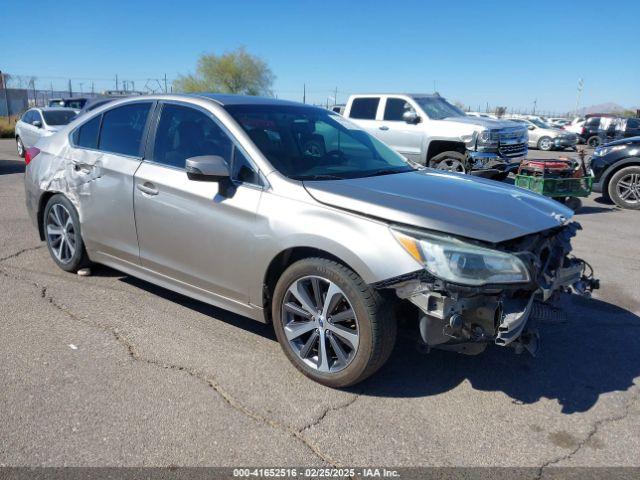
x=292 y=215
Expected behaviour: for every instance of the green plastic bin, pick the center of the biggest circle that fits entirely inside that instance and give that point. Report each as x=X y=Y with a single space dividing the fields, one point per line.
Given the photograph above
x=556 y=187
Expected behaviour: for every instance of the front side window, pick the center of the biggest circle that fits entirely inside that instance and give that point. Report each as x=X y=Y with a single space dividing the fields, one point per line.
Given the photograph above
x=123 y=128
x=86 y=136
x=58 y=117
x=28 y=116
x=395 y=108
x=307 y=143
x=364 y=108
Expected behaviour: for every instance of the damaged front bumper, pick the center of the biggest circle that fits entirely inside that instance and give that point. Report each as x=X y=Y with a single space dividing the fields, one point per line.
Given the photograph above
x=467 y=319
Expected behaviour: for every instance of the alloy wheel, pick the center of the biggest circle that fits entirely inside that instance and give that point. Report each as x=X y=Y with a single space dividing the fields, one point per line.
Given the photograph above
x=545 y=144
x=451 y=165
x=628 y=188
x=61 y=233
x=320 y=324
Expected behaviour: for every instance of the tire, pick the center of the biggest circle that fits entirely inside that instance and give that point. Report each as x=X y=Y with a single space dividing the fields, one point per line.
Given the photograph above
x=371 y=320
x=500 y=177
x=624 y=188
x=545 y=144
x=20 y=147
x=450 y=162
x=67 y=248
x=593 y=141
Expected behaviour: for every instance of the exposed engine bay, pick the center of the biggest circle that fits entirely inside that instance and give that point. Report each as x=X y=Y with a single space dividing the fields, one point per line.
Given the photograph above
x=466 y=319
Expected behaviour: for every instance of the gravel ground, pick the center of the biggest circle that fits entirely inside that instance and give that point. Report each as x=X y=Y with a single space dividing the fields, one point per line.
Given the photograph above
x=108 y=370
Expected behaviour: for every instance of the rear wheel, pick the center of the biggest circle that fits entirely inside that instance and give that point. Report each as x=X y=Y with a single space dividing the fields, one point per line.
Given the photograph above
x=449 y=161
x=332 y=326
x=20 y=147
x=624 y=188
x=61 y=226
x=593 y=141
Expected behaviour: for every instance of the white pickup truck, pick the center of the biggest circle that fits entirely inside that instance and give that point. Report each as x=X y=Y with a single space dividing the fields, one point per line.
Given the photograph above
x=429 y=130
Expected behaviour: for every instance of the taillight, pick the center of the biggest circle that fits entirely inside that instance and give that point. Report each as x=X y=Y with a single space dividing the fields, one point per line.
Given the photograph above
x=583 y=131
x=30 y=154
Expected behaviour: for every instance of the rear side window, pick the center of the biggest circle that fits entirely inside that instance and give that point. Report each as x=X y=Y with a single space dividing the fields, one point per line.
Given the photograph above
x=123 y=128
x=364 y=108
x=86 y=136
x=394 y=109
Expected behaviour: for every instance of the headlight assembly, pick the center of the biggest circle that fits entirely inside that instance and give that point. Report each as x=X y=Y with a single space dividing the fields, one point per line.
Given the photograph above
x=459 y=262
x=602 y=151
x=488 y=137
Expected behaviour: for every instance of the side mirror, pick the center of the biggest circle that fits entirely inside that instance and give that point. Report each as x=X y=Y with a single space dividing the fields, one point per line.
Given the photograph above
x=531 y=127
x=207 y=168
x=411 y=117
x=37 y=123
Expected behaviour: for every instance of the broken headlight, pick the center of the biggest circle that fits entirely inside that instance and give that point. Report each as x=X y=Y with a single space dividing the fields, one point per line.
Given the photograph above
x=460 y=262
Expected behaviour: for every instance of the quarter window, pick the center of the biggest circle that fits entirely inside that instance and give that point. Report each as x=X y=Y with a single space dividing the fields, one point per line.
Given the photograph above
x=86 y=136
x=123 y=128
x=364 y=108
x=394 y=109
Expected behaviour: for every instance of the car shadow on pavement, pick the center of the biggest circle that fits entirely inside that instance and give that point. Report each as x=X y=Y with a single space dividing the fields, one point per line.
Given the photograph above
x=239 y=321
x=11 y=166
x=595 y=351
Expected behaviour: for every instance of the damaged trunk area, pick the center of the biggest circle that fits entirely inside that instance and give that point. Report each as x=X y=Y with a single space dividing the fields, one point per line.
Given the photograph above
x=466 y=319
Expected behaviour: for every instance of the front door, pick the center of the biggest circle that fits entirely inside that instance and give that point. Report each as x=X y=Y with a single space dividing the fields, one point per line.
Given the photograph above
x=197 y=233
x=405 y=138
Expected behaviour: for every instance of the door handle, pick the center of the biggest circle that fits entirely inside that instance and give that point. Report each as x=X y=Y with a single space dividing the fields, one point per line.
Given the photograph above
x=384 y=127
x=148 y=188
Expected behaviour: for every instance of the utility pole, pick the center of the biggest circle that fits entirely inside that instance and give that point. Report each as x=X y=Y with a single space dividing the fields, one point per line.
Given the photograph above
x=579 y=94
x=335 y=96
x=165 y=83
x=92 y=90
x=81 y=83
x=535 y=103
x=304 y=93
x=117 y=82
x=70 y=90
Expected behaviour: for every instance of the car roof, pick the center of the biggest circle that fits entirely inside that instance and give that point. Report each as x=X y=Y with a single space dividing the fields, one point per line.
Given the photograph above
x=54 y=109
x=226 y=99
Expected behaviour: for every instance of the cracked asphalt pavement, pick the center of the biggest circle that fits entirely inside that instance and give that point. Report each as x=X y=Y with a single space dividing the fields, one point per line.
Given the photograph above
x=109 y=370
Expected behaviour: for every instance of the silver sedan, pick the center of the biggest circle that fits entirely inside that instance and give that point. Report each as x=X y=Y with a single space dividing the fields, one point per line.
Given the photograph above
x=291 y=215
x=36 y=123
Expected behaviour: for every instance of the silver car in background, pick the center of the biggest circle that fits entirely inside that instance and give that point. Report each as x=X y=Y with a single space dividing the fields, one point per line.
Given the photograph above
x=291 y=215
x=36 y=123
x=546 y=137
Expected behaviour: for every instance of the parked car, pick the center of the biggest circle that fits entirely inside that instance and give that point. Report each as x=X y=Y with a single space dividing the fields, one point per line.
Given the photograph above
x=558 y=122
x=616 y=169
x=616 y=128
x=96 y=102
x=73 y=102
x=220 y=198
x=545 y=137
x=40 y=122
x=429 y=130
x=482 y=115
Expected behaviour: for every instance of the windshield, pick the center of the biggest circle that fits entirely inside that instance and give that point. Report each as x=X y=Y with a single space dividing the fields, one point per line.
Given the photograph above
x=438 y=108
x=307 y=143
x=539 y=123
x=58 y=117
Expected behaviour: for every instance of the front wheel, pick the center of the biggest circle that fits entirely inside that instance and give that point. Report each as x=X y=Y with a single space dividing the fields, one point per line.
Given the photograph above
x=450 y=162
x=593 y=141
x=545 y=144
x=61 y=226
x=332 y=326
x=624 y=188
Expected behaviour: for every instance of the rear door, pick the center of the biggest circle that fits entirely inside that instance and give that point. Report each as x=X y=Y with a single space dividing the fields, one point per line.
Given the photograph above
x=403 y=137
x=107 y=151
x=198 y=233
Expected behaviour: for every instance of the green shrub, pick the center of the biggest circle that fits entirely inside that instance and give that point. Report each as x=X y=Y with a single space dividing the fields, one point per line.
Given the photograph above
x=7 y=126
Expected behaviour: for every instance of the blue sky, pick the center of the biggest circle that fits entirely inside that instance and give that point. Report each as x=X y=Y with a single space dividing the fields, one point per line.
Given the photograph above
x=503 y=52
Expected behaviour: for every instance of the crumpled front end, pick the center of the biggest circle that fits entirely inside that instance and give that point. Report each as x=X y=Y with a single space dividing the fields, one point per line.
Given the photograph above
x=466 y=319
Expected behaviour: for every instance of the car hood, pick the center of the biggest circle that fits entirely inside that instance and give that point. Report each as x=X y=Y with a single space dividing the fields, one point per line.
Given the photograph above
x=457 y=204
x=489 y=123
x=624 y=141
